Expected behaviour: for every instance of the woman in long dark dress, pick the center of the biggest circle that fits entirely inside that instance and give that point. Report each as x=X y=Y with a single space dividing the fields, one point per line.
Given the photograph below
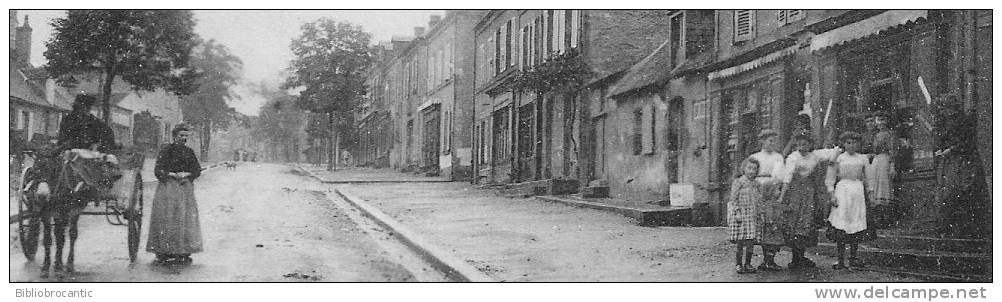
x=802 y=198
x=175 y=233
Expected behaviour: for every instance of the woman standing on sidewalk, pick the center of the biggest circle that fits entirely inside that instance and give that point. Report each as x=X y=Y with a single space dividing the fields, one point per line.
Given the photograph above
x=770 y=211
x=175 y=233
x=881 y=173
x=802 y=198
x=848 y=212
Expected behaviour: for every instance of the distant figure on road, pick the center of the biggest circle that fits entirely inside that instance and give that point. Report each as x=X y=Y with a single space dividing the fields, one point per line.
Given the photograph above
x=175 y=233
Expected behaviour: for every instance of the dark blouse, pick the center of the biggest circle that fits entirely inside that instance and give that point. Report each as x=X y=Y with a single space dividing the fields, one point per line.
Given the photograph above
x=177 y=158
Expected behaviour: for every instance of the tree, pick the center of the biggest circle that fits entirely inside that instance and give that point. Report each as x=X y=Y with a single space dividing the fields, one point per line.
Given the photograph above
x=330 y=62
x=205 y=108
x=277 y=124
x=148 y=49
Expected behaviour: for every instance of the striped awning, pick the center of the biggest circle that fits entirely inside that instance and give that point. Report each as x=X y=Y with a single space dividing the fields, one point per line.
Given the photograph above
x=750 y=65
x=866 y=27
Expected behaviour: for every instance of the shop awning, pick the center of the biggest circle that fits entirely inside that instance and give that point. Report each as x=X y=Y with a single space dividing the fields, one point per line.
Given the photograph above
x=866 y=27
x=766 y=59
x=427 y=104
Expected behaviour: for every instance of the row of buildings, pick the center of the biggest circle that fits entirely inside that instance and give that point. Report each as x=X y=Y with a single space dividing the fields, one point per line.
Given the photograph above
x=661 y=105
x=37 y=104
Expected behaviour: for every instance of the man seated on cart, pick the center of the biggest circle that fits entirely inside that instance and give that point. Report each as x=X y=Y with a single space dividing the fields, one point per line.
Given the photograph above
x=89 y=139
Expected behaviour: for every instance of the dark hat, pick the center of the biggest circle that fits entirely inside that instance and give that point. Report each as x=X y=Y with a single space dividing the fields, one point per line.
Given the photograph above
x=85 y=99
x=180 y=127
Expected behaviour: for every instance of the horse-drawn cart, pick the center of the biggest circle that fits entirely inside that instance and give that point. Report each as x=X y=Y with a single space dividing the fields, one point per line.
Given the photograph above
x=121 y=204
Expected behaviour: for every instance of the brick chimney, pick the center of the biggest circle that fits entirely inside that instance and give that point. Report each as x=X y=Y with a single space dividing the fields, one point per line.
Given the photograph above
x=13 y=26
x=418 y=32
x=22 y=42
x=434 y=20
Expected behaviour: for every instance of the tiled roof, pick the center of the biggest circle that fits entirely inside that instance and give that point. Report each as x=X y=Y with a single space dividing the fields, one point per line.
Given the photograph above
x=654 y=70
x=21 y=89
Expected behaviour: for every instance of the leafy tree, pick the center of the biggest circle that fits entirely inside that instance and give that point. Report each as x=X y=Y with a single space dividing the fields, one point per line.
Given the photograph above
x=278 y=124
x=330 y=62
x=206 y=108
x=148 y=49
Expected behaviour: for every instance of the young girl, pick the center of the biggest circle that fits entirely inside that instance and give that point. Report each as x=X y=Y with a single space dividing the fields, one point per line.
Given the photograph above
x=848 y=212
x=742 y=215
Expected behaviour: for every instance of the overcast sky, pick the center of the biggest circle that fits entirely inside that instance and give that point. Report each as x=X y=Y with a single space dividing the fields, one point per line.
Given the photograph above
x=259 y=37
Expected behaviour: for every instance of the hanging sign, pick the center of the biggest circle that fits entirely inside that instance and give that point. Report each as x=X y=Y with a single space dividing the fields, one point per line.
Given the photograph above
x=828 y=112
x=925 y=92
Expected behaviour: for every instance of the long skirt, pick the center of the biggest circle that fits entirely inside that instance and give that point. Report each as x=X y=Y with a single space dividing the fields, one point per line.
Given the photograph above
x=879 y=180
x=174 y=226
x=848 y=219
x=799 y=208
x=770 y=214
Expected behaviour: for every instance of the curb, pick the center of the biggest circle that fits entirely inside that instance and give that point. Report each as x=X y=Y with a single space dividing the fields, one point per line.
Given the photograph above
x=348 y=182
x=644 y=217
x=439 y=259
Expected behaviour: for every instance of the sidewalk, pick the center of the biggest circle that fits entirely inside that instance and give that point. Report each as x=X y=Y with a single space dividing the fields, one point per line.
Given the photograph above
x=514 y=240
x=366 y=175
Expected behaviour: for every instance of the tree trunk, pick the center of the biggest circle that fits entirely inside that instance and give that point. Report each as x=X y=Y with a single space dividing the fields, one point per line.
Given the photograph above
x=330 y=142
x=206 y=140
x=109 y=78
x=337 y=150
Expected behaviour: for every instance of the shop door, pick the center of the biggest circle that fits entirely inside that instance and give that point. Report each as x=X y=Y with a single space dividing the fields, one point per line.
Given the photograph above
x=526 y=164
x=431 y=138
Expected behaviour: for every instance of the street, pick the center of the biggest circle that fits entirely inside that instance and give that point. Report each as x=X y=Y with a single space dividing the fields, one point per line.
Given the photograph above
x=259 y=223
x=273 y=223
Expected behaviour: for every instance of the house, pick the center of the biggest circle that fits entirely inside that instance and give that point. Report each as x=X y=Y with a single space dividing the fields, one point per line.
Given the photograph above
x=542 y=136
x=447 y=113
x=410 y=93
x=36 y=105
x=660 y=104
x=902 y=63
x=374 y=123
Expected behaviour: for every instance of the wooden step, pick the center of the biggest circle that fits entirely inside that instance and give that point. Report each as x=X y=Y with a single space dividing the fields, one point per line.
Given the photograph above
x=958 y=263
x=931 y=276
x=931 y=244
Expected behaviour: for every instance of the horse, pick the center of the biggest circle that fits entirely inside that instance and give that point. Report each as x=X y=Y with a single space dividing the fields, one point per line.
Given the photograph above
x=61 y=193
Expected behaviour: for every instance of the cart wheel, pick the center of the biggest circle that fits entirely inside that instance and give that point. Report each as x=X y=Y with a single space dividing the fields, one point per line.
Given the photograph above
x=28 y=224
x=135 y=217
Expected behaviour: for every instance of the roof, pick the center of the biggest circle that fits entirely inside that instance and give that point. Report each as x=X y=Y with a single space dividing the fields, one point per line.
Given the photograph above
x=22 y=89
x=36 y=73
x=653 y=70
x=117 y=98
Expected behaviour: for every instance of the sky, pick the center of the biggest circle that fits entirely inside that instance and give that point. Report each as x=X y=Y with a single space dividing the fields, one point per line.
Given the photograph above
x=259 y=37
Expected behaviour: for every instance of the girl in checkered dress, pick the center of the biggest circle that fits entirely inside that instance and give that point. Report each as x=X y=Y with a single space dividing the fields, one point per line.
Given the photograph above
x=743 y=227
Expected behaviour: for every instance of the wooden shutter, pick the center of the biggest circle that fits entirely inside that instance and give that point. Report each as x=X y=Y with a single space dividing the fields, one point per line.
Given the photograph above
x=575 y=27
x=647 y=133
x=793 y=15
x=744 y=24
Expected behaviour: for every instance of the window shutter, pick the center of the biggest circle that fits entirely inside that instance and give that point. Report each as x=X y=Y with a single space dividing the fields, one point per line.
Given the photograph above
x=647 y=132
x=494 y=57
x=558 y=31
x=744 y=24
x=793 y=15
x=575 y=27
x=781 y=16
x=511 y=43
x=531 y=48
